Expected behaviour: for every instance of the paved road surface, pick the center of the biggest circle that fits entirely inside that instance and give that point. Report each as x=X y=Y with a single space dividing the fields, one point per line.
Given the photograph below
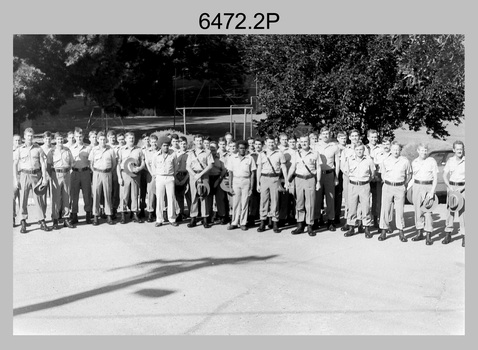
x=138 y=279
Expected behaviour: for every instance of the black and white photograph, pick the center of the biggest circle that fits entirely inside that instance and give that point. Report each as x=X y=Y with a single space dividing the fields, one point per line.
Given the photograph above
x=228 y=182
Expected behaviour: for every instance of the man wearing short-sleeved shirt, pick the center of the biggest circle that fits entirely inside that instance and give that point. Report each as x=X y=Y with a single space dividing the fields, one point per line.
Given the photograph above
x=182 y=179
x=47 y=147
x=198 y=164
x=425 y=170
x=270 y=164
x=329 y=153
x=396 y=173
x=454 y=178
x=375 y=185
x=29 y=163
x=17 y=142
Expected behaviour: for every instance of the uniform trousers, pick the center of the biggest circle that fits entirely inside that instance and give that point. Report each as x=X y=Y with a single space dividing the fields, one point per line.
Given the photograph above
x=218 y=195
x=422 y=219
x=254 y=203
x=306 y=195
x=143 y=187
x=16 y=194
x=358 y=200
x=80 y=179
x=451 y=216
x=27 y=182
x=376 y=190
x=60 y=194
x=392 y=196
x=115 y=191
x=47 y=194
x=196 y=201
x=287 y=203
x=269 y=197
x=102 y=184
x=181 y=194
x=165 y=186
x=150 y=192
x=129 y=191
x=241 y=188
x=339 y=194
x=327 y=189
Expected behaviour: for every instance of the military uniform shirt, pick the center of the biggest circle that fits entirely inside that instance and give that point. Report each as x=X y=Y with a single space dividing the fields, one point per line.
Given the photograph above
x=276 y=158
x=327 y=151
x=149 y=156
x=217 y=167
x=29 y=156
x=126 y=152
x=241 y=166
x=456 y=168
x=360 y=169
x=102 y=159
x=310 y=158
x=164 y=163
x=289 y=154
x=373 y=151
x=197 y=157
x=181 y=158
x=60 y=158
x=80 y=155
x=424 y=170
x=395 y=169
x=346 y=153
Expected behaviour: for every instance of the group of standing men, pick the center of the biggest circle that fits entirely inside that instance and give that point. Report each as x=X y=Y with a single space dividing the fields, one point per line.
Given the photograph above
x=280 y=180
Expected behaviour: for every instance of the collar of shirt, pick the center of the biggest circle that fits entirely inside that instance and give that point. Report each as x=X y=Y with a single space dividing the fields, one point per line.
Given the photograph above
x=459 y=161
x=303 y=153
x=270 y=153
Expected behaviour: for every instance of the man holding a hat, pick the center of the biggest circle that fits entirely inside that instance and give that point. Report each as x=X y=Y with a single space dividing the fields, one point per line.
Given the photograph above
x=198 y=164
x=29 y=161
x=454 y=178
x=425 y=170
x=164 y=168
x=130 y=164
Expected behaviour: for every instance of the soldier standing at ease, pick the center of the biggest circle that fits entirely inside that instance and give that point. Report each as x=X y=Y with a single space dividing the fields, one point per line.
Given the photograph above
x=396 y=173
x=378 y=159
x=29 y=161
x=129 y=186
x=339 y=189
x=59 y=162
x=115 y=196
x=46 y=147
x=454 y=178
x=151 y=177
x=217 y=194
x=102 y=162
x=373 y=150
x=254 y=200
x=306 y=168
x=17 y=142
x=270 y=164
x=425 y=170
x=241 y=176
x=80 y=178
x=143 y=177
x=360 y=170
x=182 y=179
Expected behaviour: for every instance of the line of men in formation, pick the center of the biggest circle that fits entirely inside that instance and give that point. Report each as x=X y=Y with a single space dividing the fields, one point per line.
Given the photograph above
x=280 y=180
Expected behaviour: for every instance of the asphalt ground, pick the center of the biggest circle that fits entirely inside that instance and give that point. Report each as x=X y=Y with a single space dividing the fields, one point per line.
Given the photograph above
x=139 y=279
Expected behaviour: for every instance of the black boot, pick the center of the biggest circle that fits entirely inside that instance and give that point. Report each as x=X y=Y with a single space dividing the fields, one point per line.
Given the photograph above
x=67 y=223
x=88 y=217
x=270 y=224
x=299 y=229
x=150 y=217
x=275 y=227
x=428 y=238
x=350 y=232
x=419 y=235
x=368 y=234
x=360 y=227
x=463 y=242
x=123 y=218
x=113 y=214
x=402 y=236
x=136 y=218
x=310 y=231
x=344 y=228
x=447 y=238
x=102 y=213
x=96 y=220
x=262 y=226
x=192 y=223
x=74 y=218
x=109 y=220
x=55 y=224
x=375 y=221
x=205 y=223
x=383 y=235
x=331 y=225
x=23 y=224
x=43 y=226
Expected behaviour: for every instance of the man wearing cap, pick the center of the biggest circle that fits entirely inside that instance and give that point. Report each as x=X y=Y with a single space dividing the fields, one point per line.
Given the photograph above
x=241 y=176
x=396 y=173
x=424 y=182
x=305 y=165
x=454 y=178
x=29 y=161
x=59 y=162
x=216 y=175
x=129 y=178
x=164 y=168
x=270 y=164
x=46 y=147
x=17 y=142
x=80 y=178
x=102 y=162
x=360 y=170
x=329 y=153
x=182 y=179
x=198 y=164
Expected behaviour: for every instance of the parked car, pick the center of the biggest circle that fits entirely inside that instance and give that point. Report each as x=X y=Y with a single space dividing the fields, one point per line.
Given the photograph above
x=441 y=157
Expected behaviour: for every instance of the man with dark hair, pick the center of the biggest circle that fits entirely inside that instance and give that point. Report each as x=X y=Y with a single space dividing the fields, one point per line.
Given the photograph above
x=29 y=161
x=182 y=179
x=143 y=177
x=47 y=147
x=380 y=156
x=373 y=150
x=174 y=142
x=149 y=155
x=255 y=199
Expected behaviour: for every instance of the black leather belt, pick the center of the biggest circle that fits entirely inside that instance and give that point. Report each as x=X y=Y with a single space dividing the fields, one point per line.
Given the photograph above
x=395 y=183
x=197 y=171
x=27 y=171
x=81 y=169
x=102 y=170
x=429 y=182
x=358 y=183
x=61 y=170
x=270 y=175
x=305 y=177
x=457 y=183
